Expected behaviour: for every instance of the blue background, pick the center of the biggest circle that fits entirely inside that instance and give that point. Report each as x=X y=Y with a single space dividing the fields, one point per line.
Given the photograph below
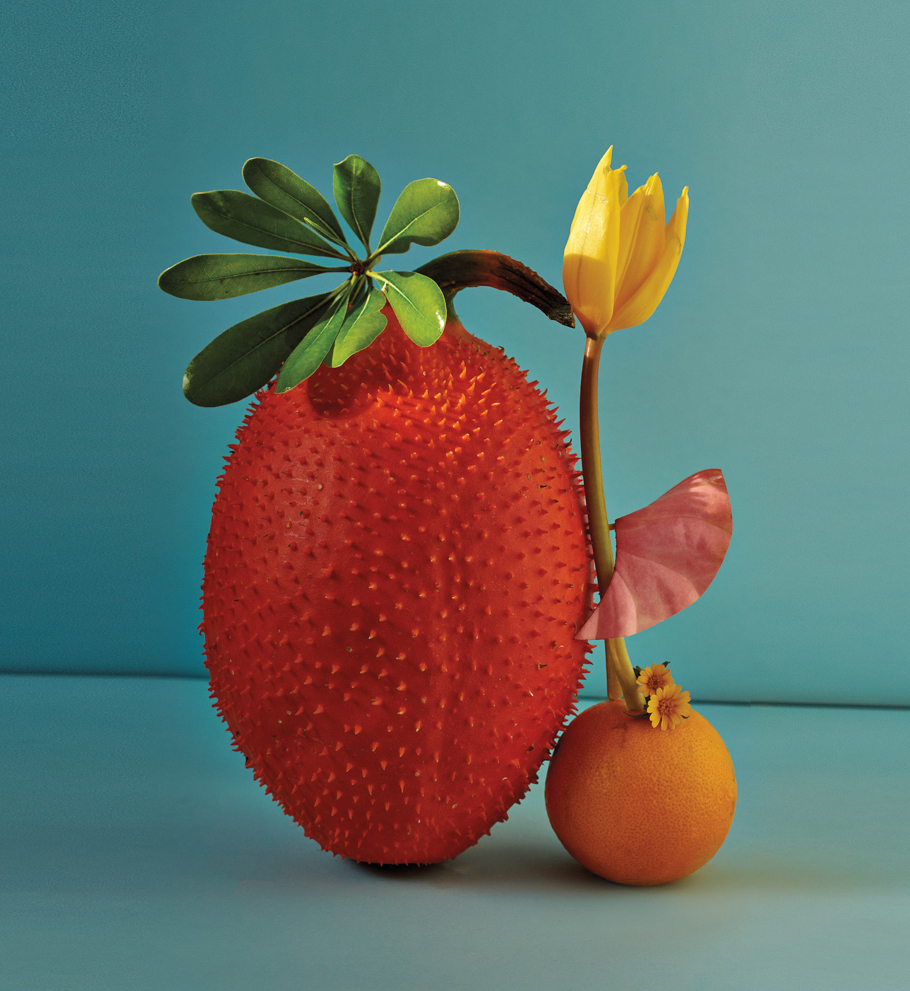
x=780 y=353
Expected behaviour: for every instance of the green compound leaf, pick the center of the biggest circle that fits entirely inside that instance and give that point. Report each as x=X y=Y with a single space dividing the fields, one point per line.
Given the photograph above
x=356 y=186
x=308 y=354
x=363 y=325
x=246 y=218
x=426 y=213
x=210 y=277
x=283 y=189
x=417 y=302
x=247 y=355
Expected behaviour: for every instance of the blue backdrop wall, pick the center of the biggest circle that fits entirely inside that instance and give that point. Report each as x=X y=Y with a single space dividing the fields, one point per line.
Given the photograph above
x=780 y=353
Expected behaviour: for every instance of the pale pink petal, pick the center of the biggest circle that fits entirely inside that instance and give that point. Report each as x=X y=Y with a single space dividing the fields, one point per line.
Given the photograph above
x=667 y=554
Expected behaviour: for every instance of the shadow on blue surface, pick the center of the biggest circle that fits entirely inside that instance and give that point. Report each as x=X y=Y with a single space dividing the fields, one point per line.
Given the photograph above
x=137 y=852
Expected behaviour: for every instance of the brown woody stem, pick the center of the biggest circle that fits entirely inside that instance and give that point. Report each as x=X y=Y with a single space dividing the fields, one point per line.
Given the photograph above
x=462 y=269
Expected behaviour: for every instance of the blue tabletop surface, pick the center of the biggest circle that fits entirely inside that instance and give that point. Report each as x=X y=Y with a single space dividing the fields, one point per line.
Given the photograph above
x=138 y=854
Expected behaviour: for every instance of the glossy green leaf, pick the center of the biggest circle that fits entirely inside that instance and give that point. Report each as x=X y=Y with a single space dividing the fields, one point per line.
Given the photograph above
x=308 y=354
x=210 y=277
x=363 y=325
x=246 y=218
x=426 y=213
x=286 y=191
x=247 y=355
x=356 y=187
x=417 y=302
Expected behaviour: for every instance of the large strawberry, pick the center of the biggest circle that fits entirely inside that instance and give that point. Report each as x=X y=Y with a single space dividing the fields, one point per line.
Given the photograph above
x=397 y=565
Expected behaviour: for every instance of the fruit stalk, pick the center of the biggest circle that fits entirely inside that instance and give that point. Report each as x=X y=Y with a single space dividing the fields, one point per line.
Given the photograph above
x=621 y=681
x=459 y=270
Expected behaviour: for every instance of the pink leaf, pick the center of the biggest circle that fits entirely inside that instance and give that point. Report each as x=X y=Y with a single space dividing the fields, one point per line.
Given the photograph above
x=667 y=554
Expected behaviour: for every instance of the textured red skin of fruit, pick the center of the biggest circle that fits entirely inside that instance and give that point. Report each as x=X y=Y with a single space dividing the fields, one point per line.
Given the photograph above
x=396 y=569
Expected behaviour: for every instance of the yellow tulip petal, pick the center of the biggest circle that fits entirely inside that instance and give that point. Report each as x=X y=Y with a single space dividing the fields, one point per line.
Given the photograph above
x=623 y=187
x=589 y=262
x=628 y=228
x=644 y=302
x=641 y=240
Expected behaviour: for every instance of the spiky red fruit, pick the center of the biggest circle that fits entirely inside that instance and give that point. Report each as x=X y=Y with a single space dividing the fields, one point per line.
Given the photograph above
x=396 y=570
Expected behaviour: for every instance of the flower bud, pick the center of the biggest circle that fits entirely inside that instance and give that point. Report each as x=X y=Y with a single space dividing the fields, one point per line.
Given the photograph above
x=620 y=258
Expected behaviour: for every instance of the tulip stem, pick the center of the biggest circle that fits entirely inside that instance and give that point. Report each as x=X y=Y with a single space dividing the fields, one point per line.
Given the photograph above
x=620 y=676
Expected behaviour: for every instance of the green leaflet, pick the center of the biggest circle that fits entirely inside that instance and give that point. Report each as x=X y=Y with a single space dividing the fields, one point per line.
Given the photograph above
x=291 y=216
x=283 y=189
x=417 y=302
x=246 y=218
x=247 y=355
x=210 y=277
x=308 y=354
x=356 y=186
x=425 y=213
x=363 y=325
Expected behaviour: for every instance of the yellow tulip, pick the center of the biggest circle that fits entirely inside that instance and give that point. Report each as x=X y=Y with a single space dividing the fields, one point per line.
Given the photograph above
x=620 y=258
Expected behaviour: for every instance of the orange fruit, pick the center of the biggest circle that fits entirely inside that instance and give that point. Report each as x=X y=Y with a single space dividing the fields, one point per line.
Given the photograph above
x=638 y=805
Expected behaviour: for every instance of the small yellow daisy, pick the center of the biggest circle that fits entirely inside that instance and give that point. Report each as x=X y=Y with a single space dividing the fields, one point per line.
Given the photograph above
x=668 y=707
x=654 y=677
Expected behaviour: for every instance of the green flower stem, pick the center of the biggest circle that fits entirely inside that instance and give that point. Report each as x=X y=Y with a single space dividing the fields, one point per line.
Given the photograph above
x=614 y=689
x=620 y=676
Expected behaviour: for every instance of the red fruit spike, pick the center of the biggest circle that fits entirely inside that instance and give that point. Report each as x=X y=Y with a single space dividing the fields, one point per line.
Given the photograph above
x=667 y=554
x=485 y=690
